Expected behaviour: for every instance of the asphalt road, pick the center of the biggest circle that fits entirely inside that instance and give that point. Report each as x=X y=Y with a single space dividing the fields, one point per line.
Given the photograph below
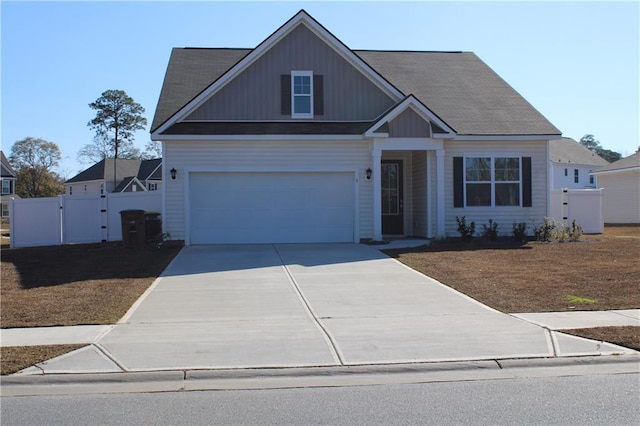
x=583 y=400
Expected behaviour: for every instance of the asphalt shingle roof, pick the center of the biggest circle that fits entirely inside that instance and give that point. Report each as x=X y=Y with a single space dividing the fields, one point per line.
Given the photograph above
x=7 y=170
x=567 y=150
x=457 y=86
x=630 y=162
x=104 y=170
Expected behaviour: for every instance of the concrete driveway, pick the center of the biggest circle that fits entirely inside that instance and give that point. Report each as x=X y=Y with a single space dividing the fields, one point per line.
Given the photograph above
x=295 y=305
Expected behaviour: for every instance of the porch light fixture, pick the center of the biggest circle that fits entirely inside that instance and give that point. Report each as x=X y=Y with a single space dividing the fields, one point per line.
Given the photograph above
x=369 y=171
x=173 y=173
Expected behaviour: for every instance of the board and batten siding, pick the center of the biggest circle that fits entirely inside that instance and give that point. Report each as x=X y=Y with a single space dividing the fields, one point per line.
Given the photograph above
x=409 y=125
x=255 y=94
x=621 y=196
x=264 y=155
x=505 y=217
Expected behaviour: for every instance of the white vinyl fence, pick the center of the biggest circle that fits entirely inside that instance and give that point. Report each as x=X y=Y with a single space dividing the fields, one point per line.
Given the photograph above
x=582 y=205
x=73 y=219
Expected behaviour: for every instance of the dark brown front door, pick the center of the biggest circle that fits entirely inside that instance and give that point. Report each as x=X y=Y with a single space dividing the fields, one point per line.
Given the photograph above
x=392 y=209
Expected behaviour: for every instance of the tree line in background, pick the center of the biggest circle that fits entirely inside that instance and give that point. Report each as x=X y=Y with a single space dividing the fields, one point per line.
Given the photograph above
x=117 y=118
x=593 y=145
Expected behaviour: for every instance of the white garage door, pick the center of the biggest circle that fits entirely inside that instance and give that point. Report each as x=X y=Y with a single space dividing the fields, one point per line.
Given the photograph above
x=227 y=208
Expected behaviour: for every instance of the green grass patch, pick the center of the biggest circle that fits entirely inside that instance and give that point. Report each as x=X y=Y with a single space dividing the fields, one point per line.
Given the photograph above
x=581 y=300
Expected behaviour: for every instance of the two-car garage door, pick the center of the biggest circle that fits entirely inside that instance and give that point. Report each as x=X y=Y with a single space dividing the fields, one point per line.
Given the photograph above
x=271 y=207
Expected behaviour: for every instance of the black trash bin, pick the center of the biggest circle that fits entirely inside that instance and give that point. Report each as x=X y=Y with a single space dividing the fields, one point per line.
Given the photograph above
x=133 y=228
x=152 y=225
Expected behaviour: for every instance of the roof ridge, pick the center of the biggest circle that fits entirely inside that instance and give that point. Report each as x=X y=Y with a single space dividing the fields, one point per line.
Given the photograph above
x=409 y=51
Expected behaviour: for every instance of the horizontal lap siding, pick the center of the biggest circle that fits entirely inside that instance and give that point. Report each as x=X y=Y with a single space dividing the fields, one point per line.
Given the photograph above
x=504 y=216
x=298 y=155
x=621 y=196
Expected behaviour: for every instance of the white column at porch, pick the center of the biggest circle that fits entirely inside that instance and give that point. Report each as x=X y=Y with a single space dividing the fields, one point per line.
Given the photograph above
x=377 y=195
x=440 y=192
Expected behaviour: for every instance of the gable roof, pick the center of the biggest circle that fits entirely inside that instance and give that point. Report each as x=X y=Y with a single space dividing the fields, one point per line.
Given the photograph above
x=7 y=170
x=300 y=18
x=410 y=102
x=127 y=182
x=103 y=170
x=568 y=151
x=457 y=87
x=150 y=169
x=631 y=162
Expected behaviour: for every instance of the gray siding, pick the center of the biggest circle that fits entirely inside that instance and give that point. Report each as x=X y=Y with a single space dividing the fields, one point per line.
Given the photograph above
x=255 y=93
x=409 y=125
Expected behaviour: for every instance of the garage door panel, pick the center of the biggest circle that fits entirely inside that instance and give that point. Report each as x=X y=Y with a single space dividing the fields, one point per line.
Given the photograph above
x=271 y=207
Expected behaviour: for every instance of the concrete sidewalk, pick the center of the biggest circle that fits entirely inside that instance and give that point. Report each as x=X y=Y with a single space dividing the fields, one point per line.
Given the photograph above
x=79 y=334
x=304 y=305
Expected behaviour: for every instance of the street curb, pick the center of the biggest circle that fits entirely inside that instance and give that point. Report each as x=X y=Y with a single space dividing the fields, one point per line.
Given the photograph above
x=304 y=377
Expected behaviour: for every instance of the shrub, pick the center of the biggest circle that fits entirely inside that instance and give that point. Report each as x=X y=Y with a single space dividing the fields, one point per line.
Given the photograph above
x=466 y=231
x=490 y=232
x=551 y=230
x=545 y=232
x=520 y=231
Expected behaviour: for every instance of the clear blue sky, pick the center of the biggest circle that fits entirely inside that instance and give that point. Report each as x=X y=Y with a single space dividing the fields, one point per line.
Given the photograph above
x=576 y=62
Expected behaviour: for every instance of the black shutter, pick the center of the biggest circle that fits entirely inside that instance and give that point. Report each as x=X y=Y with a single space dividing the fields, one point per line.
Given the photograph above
x=526 y=182
x=285 y=94
x=318 y=95
x=458 y=182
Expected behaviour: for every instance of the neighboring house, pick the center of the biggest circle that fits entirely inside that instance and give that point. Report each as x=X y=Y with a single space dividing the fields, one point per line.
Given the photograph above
x=8 y=185
x=131 y=176
x=302 y=139
x=621 y=183
x=571 y=164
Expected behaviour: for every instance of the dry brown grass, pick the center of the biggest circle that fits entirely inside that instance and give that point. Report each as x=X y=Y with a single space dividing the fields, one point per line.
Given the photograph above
x=17 y=358
x=628 y=336
x=539 y=277
x=79 y=284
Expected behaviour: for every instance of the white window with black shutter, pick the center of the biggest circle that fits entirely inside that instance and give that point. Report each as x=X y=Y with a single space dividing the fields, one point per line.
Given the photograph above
x=302 y=94
x=492 y=181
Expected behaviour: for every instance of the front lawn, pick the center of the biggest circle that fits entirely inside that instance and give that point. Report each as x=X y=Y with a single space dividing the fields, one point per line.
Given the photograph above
x=600 y=272
x=76 y=284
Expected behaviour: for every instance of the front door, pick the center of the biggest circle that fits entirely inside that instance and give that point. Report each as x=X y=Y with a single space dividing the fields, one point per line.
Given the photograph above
x=392 y=197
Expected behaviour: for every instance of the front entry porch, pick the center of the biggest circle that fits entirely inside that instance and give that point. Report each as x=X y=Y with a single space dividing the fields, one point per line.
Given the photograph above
x=408 y=188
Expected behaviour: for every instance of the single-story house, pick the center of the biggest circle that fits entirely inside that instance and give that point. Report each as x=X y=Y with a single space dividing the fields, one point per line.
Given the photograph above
x=571 y=164
x=621 y=183
x=131 y=176
x=8 y=177
x=302 y=139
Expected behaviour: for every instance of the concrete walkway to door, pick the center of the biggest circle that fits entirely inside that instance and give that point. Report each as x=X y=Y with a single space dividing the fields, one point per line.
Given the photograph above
x=252 y=306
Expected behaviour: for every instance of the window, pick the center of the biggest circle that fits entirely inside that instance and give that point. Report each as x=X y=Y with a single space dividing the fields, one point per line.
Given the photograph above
x=102 y=188
x=566 y=172
x=301 y=94
x=152 y=186
x=492 y=181
x=6 y=187
x=576 y=177
x=5 y=210
x=592 y=180
x=71 y=190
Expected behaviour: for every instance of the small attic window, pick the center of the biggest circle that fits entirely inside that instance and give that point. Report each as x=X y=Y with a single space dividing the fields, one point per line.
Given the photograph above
x=301 y=94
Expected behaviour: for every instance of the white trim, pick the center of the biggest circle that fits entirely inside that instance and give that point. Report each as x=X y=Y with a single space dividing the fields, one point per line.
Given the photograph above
x=267 y=169
x=492 y=182
x=424 y=112
x=295 y=114
x=506 y=138
x=300 y=18
x=609 y=172
x=255 y=137
x=163 y=189
x=440 y=215
x=127 y=185
x=428 y=193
